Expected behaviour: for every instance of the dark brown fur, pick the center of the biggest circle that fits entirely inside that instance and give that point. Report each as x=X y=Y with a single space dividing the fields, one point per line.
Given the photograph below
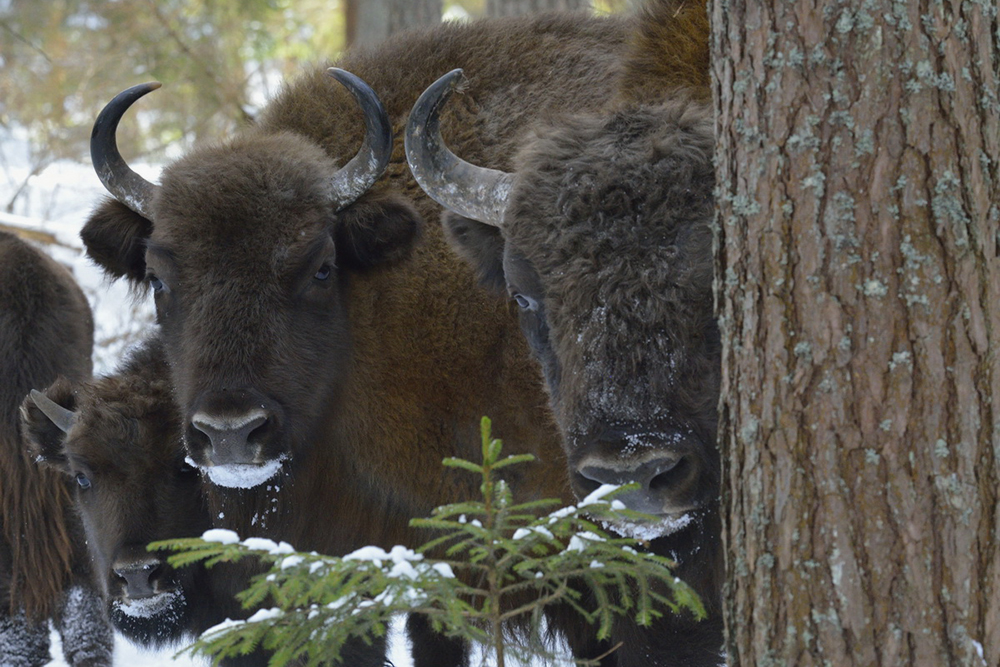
x=607 y=244
x=46 y=328
x=380 y=372
x=668 y=52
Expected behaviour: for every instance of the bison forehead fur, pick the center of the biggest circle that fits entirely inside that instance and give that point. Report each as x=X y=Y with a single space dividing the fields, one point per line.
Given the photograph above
x=236 y=192
x=614 y=213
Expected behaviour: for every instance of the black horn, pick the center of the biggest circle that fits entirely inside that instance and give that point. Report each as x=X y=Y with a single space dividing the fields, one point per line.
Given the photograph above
x=475 y=192
x=57 y=414
x=127 y=186
x=358 y=175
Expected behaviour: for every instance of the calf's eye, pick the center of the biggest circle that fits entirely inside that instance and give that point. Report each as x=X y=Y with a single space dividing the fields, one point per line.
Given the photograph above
x=323 y=273
x=525 y=302
x=83 y=481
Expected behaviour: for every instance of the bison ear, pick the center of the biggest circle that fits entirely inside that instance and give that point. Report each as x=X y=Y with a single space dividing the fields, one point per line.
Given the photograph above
x=376 y=230
x=43 y=440
x=480 y=245
x=115 y=237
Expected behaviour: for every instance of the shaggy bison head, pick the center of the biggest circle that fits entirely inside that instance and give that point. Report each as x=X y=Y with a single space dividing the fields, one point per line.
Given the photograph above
x=119 y=438
x=249 y=248
x=603 y=238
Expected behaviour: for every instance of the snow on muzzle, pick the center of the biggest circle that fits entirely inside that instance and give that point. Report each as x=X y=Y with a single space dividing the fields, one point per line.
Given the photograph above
x=235 y=438
x=665 y=465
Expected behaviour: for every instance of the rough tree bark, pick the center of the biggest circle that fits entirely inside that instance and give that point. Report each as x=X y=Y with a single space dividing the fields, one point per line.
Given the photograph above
x=371 y=21
x=859 y=298
x=518 y=7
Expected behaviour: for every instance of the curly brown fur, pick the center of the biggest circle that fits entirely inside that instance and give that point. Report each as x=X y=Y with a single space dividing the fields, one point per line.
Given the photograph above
x=614 y=214
x=46 y=329
x=669 y=51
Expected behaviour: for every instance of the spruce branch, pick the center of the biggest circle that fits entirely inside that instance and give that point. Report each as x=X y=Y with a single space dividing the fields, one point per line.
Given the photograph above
x=495 y=565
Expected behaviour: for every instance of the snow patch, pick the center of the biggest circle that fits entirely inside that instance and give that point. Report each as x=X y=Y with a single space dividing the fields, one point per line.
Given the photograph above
x=150 y=607
x=398 y=554
x=220 y=535
x=579 y=541
x=265 y=615
x=597 y=495
x=644 y=531
x=444 y=570
x=243 y=475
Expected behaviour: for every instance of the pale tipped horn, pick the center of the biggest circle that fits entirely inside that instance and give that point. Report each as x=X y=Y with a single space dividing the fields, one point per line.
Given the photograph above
x=127 y=186
x=357 y=176
x=57 y=414
x=475 y=192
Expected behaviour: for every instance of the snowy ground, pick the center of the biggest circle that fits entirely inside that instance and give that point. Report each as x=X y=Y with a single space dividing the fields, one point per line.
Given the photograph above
x=127 y=655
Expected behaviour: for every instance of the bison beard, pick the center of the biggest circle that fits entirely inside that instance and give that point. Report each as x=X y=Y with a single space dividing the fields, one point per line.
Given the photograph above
x=337 y=332
x=46 y=329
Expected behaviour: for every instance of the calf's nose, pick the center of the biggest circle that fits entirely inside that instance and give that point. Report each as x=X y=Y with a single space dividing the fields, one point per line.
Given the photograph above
x=139 y=577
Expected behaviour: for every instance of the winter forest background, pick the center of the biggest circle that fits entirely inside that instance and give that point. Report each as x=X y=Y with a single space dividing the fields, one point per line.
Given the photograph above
x=857 y=264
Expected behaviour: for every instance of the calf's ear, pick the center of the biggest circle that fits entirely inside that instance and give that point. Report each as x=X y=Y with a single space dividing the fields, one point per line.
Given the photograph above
x=43 y=439
x=115 y=237
x=377 y=229
x=480 y=245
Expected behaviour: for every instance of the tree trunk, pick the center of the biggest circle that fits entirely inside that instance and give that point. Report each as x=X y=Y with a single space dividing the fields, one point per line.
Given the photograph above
x=371 y=21
x=859 y=301
x=518 y=7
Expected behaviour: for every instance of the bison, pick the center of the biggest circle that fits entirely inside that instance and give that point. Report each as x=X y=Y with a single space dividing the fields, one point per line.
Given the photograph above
x=327 y=350
x=602 y=236
x=46 y=328
x=118 y=439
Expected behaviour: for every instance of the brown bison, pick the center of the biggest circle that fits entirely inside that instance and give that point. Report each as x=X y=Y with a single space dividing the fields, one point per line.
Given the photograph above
x=119 y=439
x=327 y=351
x=602 y=236
x=46 y=329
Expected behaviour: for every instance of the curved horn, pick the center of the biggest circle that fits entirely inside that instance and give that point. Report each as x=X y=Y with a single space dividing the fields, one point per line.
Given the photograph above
x=57 y=414
x=127 y=186
x=475 y=192
x=358 y=175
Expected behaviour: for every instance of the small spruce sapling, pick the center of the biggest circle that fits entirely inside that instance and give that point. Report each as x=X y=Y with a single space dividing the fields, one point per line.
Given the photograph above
x=495 y=566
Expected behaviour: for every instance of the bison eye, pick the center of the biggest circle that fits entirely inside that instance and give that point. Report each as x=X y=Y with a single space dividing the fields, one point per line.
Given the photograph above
x=187 y=469
x=525 y=302
x=83 y=481
x=323 y=273
x=155 y=283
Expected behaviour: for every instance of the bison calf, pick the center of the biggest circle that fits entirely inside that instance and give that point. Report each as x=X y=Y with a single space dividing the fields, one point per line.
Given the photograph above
x=118 y=440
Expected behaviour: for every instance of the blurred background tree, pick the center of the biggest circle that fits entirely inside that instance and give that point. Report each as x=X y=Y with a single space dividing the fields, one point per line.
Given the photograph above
x=219 y=61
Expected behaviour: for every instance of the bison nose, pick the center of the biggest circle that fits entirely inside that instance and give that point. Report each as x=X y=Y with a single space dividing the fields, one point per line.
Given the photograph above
x=667 y=476
x=230 y=435
x=139 y=577
x=234 y=427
